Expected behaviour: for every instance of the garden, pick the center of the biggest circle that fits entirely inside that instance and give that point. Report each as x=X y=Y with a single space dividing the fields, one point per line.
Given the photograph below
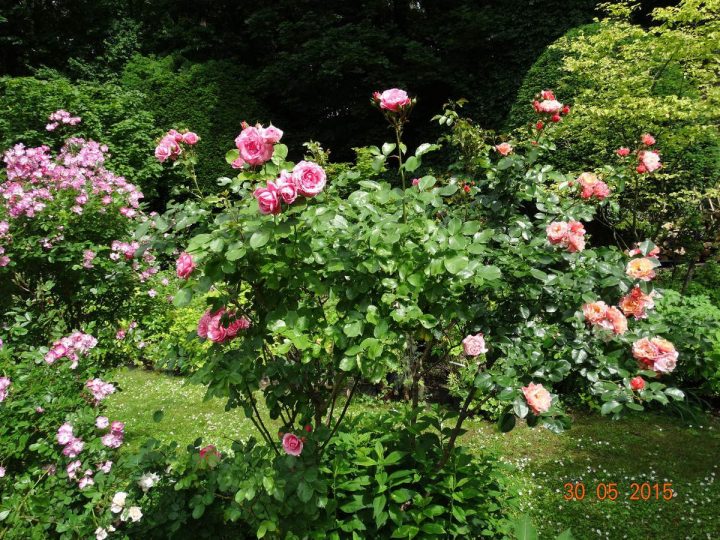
x=298 y=271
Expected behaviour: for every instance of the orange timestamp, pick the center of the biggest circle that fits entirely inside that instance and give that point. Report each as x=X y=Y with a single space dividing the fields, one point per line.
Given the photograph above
x=645 y=491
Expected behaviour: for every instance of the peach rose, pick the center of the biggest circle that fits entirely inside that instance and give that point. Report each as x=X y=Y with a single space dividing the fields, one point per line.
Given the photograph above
x=557 y=232
x=636 y=303
x=617 y=320
x=595 y=312
x=504 y=148
x=537 y=397
x=642 y=269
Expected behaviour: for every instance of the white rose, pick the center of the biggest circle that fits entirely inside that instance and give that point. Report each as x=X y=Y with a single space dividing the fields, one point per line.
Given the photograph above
x=118 y=502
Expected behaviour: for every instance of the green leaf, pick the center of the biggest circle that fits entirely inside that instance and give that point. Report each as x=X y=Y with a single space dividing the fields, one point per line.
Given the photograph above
x=524 y=529
x=304 y=491
x=182 y=297
x=405 y=531
x=412 y=164
x=426 y=182
x=506 y=422
x=259 y=238
x=565 y=535
x=378 y=505
x=520 y=407
x=675 y=393
x=387 y=148
x=611 y=407
x=432 y=528
x=232 y=155
x=353 y=329
x=402 y=495
x=456 y=264
x=158 y=415
x=348 y=364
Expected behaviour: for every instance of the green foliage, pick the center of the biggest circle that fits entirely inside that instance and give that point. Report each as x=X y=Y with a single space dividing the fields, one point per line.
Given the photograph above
x=693 y=323
x=376 y=481
x=211 y=99
x=624 y=80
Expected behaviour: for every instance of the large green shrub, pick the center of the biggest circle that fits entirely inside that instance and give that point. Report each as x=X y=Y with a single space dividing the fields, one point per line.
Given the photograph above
x=212 y=98
x=624 y=80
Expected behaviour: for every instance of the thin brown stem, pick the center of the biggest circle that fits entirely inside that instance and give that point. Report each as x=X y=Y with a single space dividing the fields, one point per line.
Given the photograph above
x=342 y=415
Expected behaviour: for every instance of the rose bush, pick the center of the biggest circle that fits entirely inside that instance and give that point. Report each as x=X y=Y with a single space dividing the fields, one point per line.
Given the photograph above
x=489 y=265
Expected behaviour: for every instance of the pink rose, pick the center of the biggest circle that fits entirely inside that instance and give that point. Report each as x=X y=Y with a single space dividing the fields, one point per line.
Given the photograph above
x=254 y=148
x=637 y=383
x=267 y=198
x=292 y=444
x=162 y=153
x=547 y=94
x=238 y=163
x=309 y=178
x=117 y=427
x=538 y=399
x=190 y=138
x=550 y=106
x=203 y=324
x=656 y=353
x=504 y=149
x=647 y=139
x=592 y=186
x=394 y=99
x=184 y=265
x=617 y=321
x=286 y=187
x=415 y=181
x=650 y=160
x=623 y=151
x=636 y=303
x=474 y=345
x=271 y=134
x=101 y=422
x=557 y=232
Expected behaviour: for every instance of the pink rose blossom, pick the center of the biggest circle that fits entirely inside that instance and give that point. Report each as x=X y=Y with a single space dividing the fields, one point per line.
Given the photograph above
x=592 y=186
x=656 y=353
x=74 y=447
x=557 y=232
x=649 y=160
x=112 y=440
x=268 y=199
x=393 y=99
x=73 y=467
x=550 y=106
x=286 y=187
x=538 y=398
x=595 y=312
x=309 y=178
x=101 y=422
x=184 y=265
x=292 y=444
x=190 y=138
x=105 y=466
x=474 y=345
x=4 y=388
x=504 y=149
x=271 y=134
x=254 y=148
x=415 y=181
x=162 y=153
x=65 y=434
x=647 y=139
x=636 y=303
x=637 y=383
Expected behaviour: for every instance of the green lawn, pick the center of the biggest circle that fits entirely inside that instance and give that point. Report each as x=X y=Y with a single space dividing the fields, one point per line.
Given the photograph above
x=646 y=448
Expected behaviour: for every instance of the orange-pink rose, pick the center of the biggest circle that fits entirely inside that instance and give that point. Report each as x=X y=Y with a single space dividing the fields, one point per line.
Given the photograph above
x=537 y=397
x=642 y=269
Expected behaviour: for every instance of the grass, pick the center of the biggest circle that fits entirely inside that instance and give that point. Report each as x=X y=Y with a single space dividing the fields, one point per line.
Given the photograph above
x=649 y=448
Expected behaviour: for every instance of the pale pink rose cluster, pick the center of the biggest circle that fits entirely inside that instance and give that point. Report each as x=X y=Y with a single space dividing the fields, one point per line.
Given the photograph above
x=66 y=438
x=656 y=353
x=256 y=145
x=569 y=235
x=61 y=117
x=292 y=444
x=307 y=179
x=100 y=389
x=88 y=257
x=636 y=303
x=393 y=100
x=71 y=347
x=34 y=178
x=114 y=438
x=547 y=104
x=538 y=398
x=211 y=325
x=123 y=249
x=170 y=146
x=474 y=345
x=601 y=315
x=5 y=383
x=592 y=186
x=184 y=265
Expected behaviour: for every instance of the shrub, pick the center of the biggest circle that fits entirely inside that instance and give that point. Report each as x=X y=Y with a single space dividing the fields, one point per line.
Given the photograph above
x=624 y=80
